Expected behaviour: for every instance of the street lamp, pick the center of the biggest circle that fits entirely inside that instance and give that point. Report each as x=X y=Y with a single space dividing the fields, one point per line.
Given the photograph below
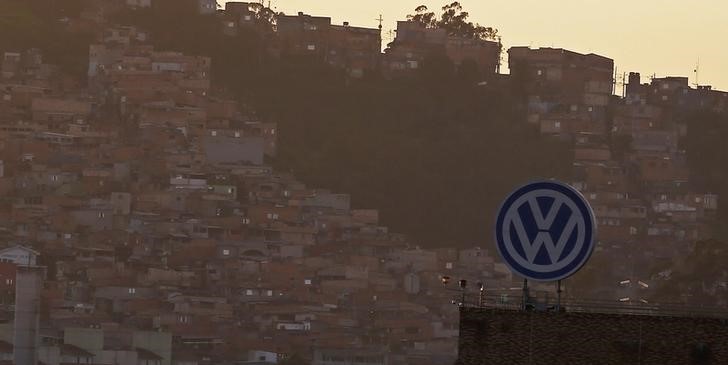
x=463 y=285
x=445 y=280
x=481 y=297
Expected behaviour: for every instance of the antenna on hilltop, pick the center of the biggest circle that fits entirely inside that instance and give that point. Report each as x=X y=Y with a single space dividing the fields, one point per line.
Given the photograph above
x=697 y=73
x=381 y=20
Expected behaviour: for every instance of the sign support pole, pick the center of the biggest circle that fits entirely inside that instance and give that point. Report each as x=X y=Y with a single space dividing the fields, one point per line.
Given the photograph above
x=558 y=297
x=525 y=293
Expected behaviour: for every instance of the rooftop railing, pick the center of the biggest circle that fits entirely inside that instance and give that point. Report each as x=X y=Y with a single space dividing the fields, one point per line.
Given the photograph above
x=516 y=302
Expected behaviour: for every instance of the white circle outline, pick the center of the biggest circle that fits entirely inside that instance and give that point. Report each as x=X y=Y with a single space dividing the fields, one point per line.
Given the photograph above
x=585 y=211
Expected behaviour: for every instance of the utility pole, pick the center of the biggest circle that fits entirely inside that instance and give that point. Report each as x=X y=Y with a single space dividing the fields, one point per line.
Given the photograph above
x=381 y=21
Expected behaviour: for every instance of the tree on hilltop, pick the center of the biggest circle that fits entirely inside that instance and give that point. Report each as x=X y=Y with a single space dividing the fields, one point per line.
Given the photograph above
x=454 y=20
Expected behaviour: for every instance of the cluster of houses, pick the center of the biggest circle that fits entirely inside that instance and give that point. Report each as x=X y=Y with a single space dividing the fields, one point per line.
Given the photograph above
x=167 y=239
x=628 y=160
x=358 y=50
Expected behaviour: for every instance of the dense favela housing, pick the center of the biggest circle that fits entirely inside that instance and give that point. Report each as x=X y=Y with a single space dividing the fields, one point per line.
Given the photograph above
x=143 y=222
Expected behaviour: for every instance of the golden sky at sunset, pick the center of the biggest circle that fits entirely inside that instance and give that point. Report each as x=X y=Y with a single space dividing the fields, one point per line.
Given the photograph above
x=662 y=37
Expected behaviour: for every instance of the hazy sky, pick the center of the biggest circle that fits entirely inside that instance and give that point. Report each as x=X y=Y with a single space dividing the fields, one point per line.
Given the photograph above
x=662 y=37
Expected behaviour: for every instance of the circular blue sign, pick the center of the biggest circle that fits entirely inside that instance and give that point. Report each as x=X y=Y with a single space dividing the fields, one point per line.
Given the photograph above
x=545 y=231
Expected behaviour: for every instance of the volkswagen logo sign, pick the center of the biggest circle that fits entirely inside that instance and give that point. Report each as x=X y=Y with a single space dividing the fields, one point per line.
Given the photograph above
x=545 y=231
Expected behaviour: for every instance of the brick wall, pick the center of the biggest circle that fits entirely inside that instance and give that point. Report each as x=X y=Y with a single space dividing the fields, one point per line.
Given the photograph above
x=494 y=336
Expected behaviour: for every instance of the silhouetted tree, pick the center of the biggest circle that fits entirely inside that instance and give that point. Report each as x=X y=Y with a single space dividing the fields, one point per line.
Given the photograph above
x=264 y=15
x=424 y=17
x=454 y=20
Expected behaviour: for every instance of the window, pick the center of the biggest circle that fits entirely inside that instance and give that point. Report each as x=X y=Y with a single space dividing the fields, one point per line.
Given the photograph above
x=249 y=292
x=311 y=47
x=557 y=125
x=539 y=72
x=132 y=290
x=226 y=252
x=213 y=133
x=102 y=214
x=269 y=293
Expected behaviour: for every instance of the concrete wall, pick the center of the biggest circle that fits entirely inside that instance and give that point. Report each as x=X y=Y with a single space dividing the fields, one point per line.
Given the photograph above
x=29 y=284
x=159 y=343
x=89 y=339
x=515 y=337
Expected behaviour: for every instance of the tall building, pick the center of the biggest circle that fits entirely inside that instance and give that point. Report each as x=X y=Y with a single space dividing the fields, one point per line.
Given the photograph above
x=355 y=49
x=29 y=283
x=303 y=35
x=564 y=77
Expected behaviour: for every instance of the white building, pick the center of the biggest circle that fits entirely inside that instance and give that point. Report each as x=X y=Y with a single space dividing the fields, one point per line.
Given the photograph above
x=19 y=255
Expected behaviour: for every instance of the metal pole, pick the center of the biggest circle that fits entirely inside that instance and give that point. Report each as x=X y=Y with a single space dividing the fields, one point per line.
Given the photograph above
x=525 y=293
x=481 y=302
x=558 y=296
